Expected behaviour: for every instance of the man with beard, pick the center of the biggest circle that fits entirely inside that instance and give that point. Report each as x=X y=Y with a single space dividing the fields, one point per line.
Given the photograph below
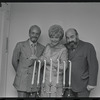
x=84 y=64
x=24 y=56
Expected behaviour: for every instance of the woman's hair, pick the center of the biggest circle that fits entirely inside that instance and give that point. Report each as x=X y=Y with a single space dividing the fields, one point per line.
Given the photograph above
x=56 y=30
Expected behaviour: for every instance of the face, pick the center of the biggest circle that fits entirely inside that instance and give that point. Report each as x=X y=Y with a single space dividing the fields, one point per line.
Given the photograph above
x=54 y=40
x=34 y=34
x=71 y=38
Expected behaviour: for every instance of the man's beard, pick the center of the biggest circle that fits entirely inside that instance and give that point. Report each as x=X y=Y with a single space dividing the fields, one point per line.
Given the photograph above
x=34 y=39
x=72 y=45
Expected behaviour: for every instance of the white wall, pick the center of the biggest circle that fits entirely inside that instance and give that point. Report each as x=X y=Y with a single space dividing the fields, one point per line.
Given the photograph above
x=85 y=17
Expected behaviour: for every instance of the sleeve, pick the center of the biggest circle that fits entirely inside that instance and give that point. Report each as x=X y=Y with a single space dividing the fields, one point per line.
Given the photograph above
x=16 y=56
x=43 y=48
x=64 y=57
x=93 y=65
x=43 y=57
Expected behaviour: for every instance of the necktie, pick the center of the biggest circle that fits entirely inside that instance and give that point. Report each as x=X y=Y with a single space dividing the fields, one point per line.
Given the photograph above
x=33 y=47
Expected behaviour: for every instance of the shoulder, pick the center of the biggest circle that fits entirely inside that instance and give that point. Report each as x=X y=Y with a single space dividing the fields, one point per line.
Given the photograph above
x=89 y=45
x=41 y=45
x=47 y=46
x=63 y=48
x=20 y=43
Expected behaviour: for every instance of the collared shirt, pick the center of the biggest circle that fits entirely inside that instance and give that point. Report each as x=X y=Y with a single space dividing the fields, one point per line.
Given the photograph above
x=33 y=47
x=31 y=43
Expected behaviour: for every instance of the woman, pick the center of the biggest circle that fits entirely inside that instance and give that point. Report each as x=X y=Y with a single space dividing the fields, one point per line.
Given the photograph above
x=54 y=50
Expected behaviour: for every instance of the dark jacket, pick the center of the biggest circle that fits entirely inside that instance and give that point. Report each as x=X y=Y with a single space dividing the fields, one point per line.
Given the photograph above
x=84 y=67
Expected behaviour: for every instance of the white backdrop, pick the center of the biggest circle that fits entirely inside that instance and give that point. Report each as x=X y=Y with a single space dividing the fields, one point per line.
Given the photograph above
x=85 y=17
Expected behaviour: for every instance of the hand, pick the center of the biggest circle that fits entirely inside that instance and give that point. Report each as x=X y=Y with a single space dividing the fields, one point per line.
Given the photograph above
x=33 y=57
x=89 y=87
x=42 y=58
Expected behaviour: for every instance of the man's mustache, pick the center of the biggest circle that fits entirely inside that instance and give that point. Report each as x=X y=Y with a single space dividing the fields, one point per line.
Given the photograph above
x=34 y=37
x=71 y=42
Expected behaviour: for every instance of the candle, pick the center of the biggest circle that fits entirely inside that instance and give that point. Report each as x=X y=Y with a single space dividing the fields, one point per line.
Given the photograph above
x=44 y=71
x=50 y=69
x=33 y=73
x=70 y=65
x=58 y=72
x=39 y=72
x=64 y=73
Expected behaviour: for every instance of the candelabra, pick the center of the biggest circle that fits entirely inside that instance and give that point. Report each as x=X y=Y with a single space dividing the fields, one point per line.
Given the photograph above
x=50 y=79
x=38 y=79
x=69 y=88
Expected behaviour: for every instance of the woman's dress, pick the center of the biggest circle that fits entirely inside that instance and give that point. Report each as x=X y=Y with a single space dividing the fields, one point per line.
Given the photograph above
x=58 y=52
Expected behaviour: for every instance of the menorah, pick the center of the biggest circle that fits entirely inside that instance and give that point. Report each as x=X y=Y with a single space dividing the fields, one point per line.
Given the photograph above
x=50 y=79
x=69 y=88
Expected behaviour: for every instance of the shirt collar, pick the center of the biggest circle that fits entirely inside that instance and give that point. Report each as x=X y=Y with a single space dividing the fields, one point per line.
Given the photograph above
x=31 y=43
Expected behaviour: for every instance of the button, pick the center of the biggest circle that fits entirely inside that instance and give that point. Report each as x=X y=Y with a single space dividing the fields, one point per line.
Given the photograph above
x=29 y=66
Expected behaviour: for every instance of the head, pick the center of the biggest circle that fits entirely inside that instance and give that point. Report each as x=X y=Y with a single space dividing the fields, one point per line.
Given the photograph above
x=71 y=38
x=56 y=34
x=34 y=33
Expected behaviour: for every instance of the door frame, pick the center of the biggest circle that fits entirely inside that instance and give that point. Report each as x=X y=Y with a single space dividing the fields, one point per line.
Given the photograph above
x=4 y=34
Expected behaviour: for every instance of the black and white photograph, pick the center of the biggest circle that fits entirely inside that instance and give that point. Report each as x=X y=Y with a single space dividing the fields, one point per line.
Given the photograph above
x=49 y=49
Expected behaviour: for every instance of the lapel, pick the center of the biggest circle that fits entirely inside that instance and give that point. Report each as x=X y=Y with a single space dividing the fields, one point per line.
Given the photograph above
x=27 y=49
x=72 y=55
x=38 y=48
